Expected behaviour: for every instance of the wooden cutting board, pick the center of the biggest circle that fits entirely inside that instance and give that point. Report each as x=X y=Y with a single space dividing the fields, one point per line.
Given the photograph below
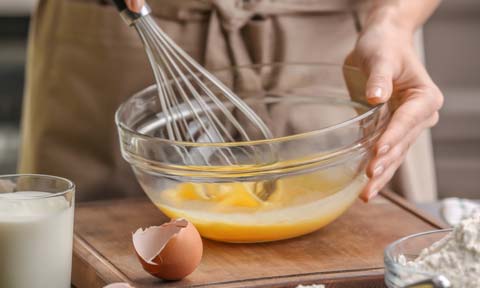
x=346 y=253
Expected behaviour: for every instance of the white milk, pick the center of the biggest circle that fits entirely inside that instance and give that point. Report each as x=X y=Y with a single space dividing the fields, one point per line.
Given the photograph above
x=35 y=241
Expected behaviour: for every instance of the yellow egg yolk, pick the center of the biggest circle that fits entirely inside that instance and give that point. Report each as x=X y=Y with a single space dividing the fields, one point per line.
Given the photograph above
x=233 y=212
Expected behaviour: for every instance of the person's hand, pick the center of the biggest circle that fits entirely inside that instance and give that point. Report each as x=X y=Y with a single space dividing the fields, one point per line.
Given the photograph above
x=395 y=74
x=135 y=5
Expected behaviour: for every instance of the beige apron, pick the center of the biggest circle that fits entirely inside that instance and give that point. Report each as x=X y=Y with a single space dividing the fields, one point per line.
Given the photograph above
x=83 y=61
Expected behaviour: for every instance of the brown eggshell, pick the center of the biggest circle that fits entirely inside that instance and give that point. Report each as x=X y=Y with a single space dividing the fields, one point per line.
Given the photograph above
x=170 y=251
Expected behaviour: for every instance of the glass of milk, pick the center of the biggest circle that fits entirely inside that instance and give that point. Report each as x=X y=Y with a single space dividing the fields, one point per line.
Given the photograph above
x=36 y=231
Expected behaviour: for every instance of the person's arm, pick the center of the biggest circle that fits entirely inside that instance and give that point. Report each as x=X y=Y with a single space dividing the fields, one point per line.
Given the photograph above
x=385 y=52
x=405 y=14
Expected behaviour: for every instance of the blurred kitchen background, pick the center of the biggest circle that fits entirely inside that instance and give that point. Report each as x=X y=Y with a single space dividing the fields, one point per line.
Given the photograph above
x=452 y=45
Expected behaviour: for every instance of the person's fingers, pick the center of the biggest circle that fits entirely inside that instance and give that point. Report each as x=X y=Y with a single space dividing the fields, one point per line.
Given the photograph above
x=135 y=5
x=385 y=163
x=380 y=164
x=129 y=4
x=379 y=84
x=349 y=60
x=433 y=120
x=414 y=111
x=376 y=184
x=138 y=5
x=382 y=161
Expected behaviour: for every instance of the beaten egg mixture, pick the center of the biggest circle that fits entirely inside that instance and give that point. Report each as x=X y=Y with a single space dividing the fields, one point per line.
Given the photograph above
x=232 y=212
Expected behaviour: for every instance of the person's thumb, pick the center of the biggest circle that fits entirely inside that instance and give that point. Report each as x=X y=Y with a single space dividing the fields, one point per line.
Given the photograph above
x=135 y=5
x=380 y=81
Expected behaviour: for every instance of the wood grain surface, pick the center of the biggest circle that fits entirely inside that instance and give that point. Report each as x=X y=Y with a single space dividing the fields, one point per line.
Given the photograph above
x=346 y=253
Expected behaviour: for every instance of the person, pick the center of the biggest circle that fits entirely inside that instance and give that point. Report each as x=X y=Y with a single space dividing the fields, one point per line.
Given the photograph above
x=83 y=62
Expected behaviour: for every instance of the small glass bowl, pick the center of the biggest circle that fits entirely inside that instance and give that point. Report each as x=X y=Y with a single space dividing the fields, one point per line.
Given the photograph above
x=323 y=130
x=397 y=275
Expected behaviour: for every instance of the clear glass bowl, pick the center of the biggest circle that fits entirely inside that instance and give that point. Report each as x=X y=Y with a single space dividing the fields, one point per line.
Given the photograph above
x=397 y=274
x=323 y=135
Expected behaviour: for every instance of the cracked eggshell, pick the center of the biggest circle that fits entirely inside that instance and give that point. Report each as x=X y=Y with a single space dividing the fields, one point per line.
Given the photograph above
x=170 y=251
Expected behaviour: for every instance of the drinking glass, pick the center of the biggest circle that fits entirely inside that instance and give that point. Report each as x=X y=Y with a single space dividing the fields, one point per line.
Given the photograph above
x=36 y=231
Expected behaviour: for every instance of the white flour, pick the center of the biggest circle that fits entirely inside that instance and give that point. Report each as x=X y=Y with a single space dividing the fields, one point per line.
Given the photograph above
x=457 y=256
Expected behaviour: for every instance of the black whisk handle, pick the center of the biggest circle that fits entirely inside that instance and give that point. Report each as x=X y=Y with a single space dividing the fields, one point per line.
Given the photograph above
x=120 y=4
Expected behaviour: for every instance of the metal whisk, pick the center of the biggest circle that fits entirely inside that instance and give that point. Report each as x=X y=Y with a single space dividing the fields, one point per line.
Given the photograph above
x=196 y=106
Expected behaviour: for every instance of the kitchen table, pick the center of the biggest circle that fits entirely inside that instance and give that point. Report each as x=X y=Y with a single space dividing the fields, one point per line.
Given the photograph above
x=346 y=253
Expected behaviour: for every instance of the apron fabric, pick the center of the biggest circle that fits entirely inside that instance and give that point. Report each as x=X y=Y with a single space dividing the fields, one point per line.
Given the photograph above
x=83 y=62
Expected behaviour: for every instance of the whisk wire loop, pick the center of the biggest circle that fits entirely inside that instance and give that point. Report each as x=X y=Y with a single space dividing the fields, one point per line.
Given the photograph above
x=196 y=107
